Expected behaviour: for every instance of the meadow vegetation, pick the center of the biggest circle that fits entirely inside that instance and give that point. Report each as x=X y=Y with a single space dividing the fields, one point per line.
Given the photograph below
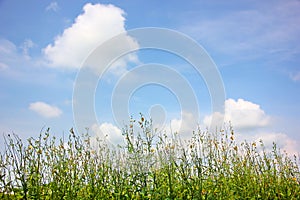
x=150 y=165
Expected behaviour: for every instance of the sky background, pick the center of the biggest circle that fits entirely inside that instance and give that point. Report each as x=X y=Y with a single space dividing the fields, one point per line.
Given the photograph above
x=254 y=44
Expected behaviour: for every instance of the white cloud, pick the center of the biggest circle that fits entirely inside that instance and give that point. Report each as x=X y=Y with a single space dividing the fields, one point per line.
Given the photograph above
x=27 y=44
x=242 y=115
x=11 y=60
x=109 y=131
x=246 y=118
x=95 y=25
x=45 y=109
x=17 y=66
x=53 y=6
x=7 y=48
x=184 y=126
x=266 y=29
x=282 y=141
x=10 y=53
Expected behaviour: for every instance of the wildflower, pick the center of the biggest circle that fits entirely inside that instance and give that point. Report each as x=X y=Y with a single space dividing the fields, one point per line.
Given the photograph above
x=30 y=147
x=231 y=137
x=152 y=150
x=294 y=179
x=54 y=171
x=235 y=148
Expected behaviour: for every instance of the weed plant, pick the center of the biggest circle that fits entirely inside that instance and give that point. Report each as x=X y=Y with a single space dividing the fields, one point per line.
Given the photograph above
x=151 y=165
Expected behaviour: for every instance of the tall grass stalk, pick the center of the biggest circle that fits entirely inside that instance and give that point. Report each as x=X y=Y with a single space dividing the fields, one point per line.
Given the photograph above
x=150 y=165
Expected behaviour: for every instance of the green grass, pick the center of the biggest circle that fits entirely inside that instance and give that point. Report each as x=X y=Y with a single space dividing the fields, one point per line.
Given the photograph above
x=150 y=165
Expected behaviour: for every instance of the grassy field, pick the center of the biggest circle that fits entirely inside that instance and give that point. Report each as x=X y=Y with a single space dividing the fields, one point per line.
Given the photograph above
x=150 y=165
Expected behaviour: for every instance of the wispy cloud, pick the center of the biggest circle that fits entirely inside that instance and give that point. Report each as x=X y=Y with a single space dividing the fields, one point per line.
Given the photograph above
x=53 y=6
x=295 y=76
x=7 y=48
x=26 y=46
x=45 y=110
x=10 y=57
x=11 y=53
x=17 y=63
x=3 y=66
x=263 y=29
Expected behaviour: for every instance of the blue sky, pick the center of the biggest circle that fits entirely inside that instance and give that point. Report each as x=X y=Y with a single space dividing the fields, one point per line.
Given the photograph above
x=254 y=44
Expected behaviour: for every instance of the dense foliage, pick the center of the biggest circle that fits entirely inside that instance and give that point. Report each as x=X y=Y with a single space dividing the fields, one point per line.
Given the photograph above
x=150 y=165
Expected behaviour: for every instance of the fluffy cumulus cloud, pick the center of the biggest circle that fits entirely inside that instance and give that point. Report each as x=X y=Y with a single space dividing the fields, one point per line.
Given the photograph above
x=184 y=126
x=242 y=114
x=95 y=25
x=45 y=110
x=109 y=131
x=247 y=118
x=282 y=141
